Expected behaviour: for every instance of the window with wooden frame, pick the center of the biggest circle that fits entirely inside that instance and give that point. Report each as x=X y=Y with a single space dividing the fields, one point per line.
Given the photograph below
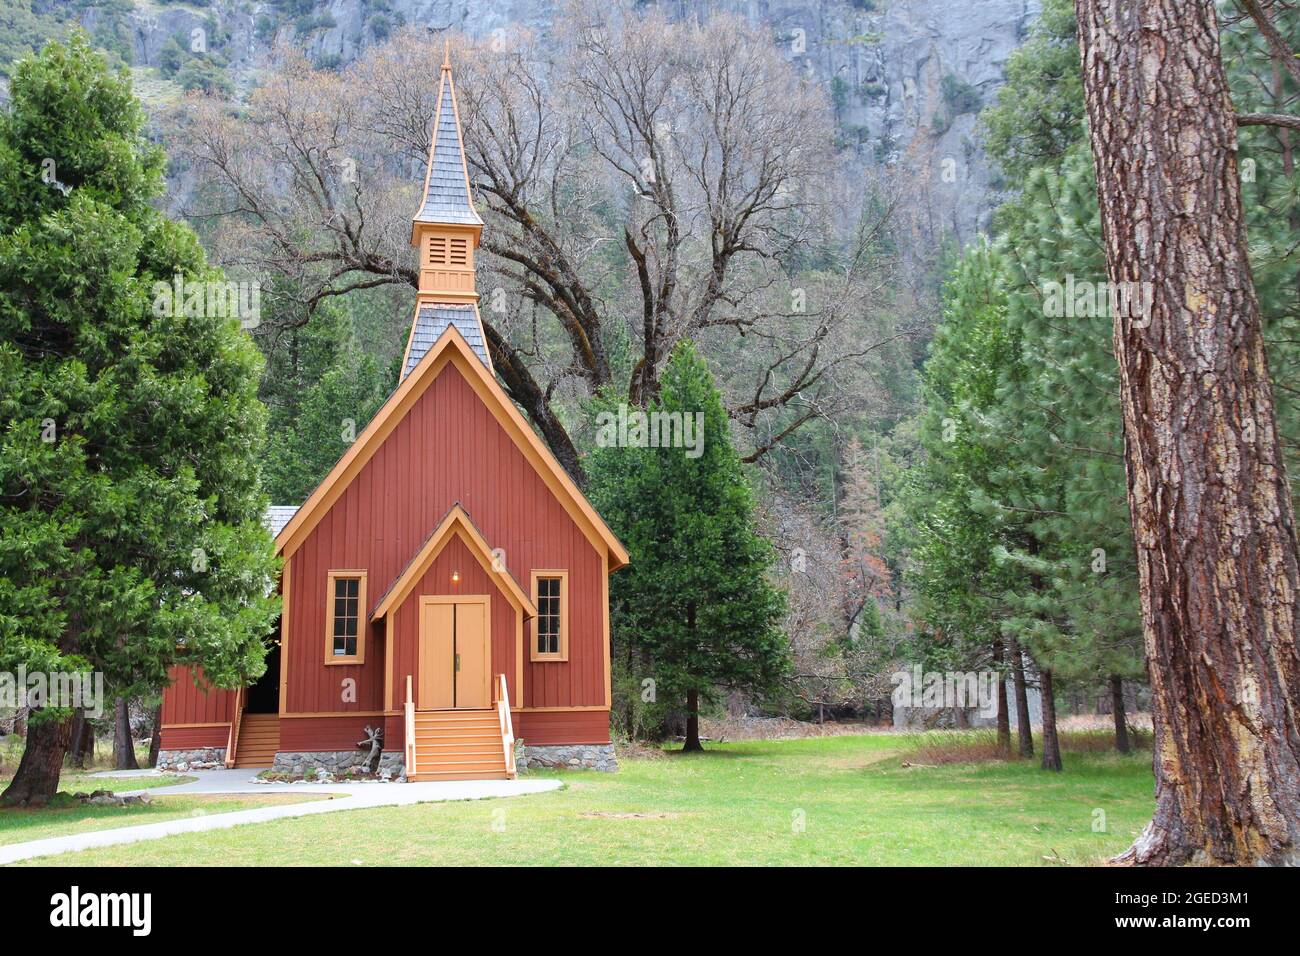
x=551 y=627
x=345 y=618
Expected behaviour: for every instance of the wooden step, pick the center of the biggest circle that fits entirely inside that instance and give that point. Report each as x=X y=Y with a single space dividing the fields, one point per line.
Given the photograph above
x=430 y=760
x=444 y=745
x=259 y=741
x=466 y=730
x=459 y=745
x=460 y=775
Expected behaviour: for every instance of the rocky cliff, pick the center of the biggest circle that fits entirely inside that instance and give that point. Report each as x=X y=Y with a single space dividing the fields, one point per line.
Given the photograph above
x=907 y=77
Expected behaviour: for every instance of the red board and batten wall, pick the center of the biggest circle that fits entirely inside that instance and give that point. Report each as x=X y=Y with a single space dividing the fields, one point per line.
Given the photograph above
x=447 y=448
x=195 y=716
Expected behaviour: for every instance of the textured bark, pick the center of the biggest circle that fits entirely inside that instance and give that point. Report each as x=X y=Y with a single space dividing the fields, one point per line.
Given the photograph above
x=123 y=744
x=37 y=778
x=1024 y=732
x=1004 y=719
x=1211 y=509
x=155 y=743
x=81 y=753
x=692 y=721
x=1051 y=742
x=1117 y=709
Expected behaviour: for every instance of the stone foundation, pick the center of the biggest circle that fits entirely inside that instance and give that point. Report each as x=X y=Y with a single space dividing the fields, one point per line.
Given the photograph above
x=567 y=757
x=335 y=762
x=205 y=758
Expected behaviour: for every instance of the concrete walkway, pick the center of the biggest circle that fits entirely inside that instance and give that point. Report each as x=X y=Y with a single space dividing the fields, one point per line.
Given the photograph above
x=347 y=796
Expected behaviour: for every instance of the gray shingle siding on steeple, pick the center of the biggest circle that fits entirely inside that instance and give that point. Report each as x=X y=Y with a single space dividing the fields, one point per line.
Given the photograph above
x=447 y=198
x=433 y=320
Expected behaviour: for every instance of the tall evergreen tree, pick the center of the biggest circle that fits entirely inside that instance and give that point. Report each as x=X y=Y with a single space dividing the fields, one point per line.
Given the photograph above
x=1066 y=414
x=696 y=598
x=1217 y=554
x=321 y=390
x=130 y=505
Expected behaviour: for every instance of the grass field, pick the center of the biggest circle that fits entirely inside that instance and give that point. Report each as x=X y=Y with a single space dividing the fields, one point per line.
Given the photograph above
x=66 y=816
x=826 y=800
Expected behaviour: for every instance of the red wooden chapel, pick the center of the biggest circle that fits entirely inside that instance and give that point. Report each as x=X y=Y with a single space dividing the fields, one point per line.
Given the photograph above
x=447 y=581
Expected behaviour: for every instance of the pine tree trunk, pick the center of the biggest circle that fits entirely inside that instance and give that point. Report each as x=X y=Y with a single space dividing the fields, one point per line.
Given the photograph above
x=1004 y=719
x=77 y=735
x=37 y=779
x=692 y=721
x=1024 y=732
x=123 y=745
x=86 y=749
x=1208 y=493
x=1117 y=708
x=1051 y=742
x=155 y=744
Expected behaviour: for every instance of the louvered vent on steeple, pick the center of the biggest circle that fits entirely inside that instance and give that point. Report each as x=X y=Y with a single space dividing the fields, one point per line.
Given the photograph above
x=446 y=231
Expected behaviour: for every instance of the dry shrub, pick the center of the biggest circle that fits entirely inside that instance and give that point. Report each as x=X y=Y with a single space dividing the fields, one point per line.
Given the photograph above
x=940 y=747
x=627 y=749
x=777 y=728
x=1102 y=741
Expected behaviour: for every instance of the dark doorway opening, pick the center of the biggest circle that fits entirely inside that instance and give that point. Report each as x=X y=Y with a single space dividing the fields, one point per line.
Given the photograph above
x=264 y=696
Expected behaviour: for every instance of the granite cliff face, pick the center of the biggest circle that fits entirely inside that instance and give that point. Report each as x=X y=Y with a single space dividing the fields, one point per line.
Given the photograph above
x=907 y=77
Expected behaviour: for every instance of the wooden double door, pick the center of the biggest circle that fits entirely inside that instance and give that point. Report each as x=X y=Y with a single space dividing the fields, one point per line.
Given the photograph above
x=455 y=652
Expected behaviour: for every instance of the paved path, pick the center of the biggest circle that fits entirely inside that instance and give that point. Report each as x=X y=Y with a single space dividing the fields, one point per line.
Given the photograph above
x=347 y=796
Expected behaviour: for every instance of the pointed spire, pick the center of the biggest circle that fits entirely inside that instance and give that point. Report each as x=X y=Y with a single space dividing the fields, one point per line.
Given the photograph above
x=446 y=182
x=446 y=229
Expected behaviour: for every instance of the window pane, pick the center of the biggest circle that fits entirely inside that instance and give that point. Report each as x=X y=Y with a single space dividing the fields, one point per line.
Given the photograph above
x=347 y=616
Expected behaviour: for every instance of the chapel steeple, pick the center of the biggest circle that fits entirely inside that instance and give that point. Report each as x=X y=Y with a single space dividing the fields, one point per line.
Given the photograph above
x=446 y=230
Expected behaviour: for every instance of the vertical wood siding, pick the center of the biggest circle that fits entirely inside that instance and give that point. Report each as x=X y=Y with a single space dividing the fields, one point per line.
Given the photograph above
x=447 y=449
x=563 y=727
x=184 y=703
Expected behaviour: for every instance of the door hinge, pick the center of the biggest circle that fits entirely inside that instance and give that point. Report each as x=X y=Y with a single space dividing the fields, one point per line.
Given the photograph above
x=457 y=663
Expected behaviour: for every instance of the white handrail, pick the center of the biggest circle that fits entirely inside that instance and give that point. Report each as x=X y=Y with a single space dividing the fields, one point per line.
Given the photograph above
x=410 y=731
x=232 y=742
x=507 y=728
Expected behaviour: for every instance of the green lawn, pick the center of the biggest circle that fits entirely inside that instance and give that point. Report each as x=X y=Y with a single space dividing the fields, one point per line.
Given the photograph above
x=65 y=816
x=86 y=783
x=828 y=800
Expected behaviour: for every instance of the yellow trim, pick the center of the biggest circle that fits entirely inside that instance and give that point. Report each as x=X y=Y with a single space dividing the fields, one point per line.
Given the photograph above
x=563 y=655
x=451 y=347
x=363 y=623
x=388 y=667
x=609 y=663
x=337 y=713
x=219 y=723
x=457 y=523
x=284 y=635
x=555 y=710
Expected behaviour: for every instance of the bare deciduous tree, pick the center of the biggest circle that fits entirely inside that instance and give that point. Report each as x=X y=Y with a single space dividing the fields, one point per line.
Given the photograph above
x=642 y=180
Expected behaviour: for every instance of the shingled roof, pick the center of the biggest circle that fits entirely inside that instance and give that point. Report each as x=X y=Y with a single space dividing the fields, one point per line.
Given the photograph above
x=433 y=320
x=446 y=188
x=277 y=516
